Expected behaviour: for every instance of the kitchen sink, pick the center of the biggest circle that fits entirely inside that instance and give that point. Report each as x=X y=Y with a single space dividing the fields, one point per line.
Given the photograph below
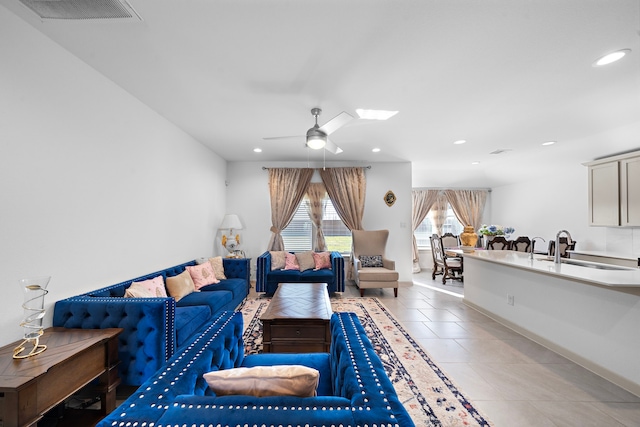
x=586 y=264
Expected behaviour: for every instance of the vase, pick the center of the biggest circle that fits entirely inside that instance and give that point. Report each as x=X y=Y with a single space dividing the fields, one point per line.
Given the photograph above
x=34 y=290
x=468 y=238
x=485 y=240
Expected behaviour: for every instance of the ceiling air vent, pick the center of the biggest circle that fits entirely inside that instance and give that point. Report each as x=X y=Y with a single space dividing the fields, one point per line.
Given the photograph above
x=119 y=10
x=501 y=150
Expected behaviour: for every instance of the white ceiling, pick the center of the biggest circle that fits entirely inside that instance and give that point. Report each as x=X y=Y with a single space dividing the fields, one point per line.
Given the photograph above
x=502 y=74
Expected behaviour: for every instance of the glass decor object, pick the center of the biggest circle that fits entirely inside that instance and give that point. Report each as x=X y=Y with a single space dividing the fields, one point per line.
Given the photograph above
x=35 y=290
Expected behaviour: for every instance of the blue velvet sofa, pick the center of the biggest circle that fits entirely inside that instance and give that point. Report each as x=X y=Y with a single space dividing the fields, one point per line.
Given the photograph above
x=153 y=328
x=353 y=390
x=267 y=280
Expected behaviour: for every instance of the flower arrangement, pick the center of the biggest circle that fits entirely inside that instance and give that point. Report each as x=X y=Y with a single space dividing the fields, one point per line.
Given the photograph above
x=495 y=230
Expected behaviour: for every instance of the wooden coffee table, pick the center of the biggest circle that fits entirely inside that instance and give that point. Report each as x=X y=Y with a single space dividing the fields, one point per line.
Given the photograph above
x=73 y=358
x=297 y=320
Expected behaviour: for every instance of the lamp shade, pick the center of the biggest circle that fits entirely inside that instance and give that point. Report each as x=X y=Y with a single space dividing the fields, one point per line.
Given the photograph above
x=231 y=221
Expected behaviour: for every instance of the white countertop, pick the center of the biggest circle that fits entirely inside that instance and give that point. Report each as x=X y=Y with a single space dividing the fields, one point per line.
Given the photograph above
x=607 y=254
x=625 y=277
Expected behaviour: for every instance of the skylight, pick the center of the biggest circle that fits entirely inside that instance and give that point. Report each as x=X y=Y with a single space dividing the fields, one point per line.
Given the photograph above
x=375 y=114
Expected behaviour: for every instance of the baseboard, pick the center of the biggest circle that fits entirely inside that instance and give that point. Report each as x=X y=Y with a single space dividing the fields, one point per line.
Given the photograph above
x=574 y=357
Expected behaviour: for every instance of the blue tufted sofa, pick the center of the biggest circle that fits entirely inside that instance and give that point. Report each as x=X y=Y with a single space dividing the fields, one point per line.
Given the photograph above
x=267 y=280
x=353 y=391
x=153 y=328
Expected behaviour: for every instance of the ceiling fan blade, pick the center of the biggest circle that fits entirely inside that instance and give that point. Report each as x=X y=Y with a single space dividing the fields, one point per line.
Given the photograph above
x=336 y=123
x=332 y=148
x=283 y=137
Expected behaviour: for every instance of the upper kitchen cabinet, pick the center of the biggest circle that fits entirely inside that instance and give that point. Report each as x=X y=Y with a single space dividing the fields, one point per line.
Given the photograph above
x=614 y=191
x=630 y=191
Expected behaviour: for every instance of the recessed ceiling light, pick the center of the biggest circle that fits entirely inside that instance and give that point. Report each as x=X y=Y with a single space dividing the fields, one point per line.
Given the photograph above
x=460 y=141
x=548 y=143
x=611 y=57
x=257 y=150
x=375 y=114
x=376 y=150
x=475 y=163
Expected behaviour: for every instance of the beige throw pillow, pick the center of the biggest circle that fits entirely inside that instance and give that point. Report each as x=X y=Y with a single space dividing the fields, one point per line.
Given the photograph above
x=180 y=286
x=155 y=286
x=139 y=290
x=277 y=259
x=218 y=267
x=260 y=381
x=305 y=260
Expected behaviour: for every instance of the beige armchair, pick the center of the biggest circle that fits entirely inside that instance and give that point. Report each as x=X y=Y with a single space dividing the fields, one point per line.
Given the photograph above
x=371 y=268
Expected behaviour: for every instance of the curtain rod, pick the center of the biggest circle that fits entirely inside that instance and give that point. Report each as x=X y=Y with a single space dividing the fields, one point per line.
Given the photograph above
x=452 y=188
x=264 y=168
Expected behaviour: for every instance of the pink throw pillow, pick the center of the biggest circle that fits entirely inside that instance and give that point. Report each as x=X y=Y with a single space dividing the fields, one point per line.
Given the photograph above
x=155 y=286
x=322 y=259
x=291 y=262
x=202 y=275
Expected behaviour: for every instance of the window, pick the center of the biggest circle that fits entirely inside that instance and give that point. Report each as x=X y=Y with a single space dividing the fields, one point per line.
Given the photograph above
x=337 y=236
x=300 y=234
x=426 y=228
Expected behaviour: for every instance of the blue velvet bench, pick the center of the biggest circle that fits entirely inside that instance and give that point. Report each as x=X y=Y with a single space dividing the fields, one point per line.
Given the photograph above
x=353 y=390
x=153 y=328
x=267 y=280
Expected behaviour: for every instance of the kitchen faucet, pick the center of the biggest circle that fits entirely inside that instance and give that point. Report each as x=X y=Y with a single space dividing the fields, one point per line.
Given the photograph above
x=533 y=244
x=556 y=258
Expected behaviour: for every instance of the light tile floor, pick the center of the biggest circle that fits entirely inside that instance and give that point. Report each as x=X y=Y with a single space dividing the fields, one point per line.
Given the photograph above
x=514 y=381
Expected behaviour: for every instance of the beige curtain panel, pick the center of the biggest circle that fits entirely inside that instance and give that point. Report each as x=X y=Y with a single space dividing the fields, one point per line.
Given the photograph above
x=346 y=188
x=422 y=201
x=439 y=212
x=287 y=187
x=468 y=205
x=317 y=201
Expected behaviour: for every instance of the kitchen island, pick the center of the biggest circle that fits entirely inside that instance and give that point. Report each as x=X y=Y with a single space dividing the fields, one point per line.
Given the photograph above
x=589 y=314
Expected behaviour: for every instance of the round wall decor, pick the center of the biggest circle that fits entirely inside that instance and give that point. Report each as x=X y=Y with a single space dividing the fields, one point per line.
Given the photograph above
x=389 y=198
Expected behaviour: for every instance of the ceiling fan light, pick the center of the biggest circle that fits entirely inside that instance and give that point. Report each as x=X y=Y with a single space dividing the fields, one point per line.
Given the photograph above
x=316 y=142
x=316 y=139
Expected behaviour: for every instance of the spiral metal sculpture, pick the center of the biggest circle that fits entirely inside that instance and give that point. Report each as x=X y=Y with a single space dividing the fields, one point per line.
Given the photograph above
x=33 y=305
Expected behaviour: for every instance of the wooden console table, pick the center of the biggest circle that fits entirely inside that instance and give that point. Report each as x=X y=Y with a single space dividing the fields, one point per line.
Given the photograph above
x=297 y=319
x=73 y=358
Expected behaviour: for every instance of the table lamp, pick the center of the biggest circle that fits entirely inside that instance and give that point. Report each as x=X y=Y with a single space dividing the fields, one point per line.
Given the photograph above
x=231 y=242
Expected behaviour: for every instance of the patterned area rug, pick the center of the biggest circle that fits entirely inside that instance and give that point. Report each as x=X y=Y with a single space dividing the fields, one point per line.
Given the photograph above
x=428 y=395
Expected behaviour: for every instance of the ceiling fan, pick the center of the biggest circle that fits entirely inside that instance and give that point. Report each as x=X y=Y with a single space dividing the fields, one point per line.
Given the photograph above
x=318 y=136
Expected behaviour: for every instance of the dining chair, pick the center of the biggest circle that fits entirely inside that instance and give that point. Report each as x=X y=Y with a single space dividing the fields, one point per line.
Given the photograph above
x=499 y=243
x=449 y=240
x=565 y=246
x=521 y=244
x=449 y=267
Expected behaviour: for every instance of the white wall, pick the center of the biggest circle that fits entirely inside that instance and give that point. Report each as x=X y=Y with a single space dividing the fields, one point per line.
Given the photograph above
x=541 y=205
x=544 y=205
x=248 y=196
x=94 y=186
